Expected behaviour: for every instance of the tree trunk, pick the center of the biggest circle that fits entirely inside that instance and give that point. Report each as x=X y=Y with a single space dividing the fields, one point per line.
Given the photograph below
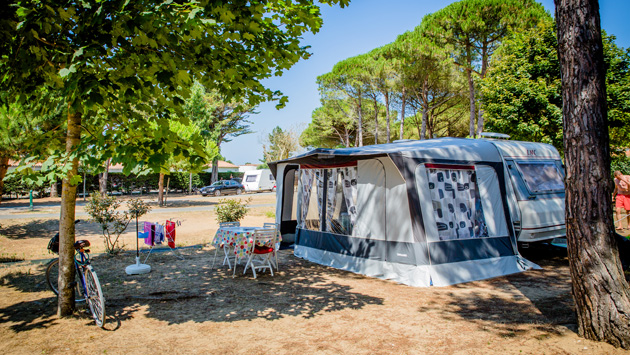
x=102 y=179
x=53 y=189
x=168 y=182
x=360 y=123
x=471 y=92
x=480 y=120
x=423 y=129
x=215 y=170
x=387 y=117
x=161 y=190
x=484 y=69
x=4 y=167
x=65 y=305
x=375 y=121
x=600 y=291
x=190 y=183
x=425 y=108
x=402 y=114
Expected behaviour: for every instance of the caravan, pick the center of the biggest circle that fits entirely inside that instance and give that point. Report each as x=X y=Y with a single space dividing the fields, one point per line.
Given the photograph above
x=259 y=180
x=424 y=213
x=537 y=182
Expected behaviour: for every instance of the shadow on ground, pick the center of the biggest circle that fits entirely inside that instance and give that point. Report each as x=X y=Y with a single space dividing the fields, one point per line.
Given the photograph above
x=299 y=289
x=502 y=305
x=179 y=291
x=44 y=229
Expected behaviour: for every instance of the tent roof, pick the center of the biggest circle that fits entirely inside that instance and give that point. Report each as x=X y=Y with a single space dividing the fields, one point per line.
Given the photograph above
x=440 y=148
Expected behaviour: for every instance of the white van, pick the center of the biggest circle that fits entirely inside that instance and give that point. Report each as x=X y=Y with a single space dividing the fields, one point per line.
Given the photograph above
x=536 y=201
x=259 y=180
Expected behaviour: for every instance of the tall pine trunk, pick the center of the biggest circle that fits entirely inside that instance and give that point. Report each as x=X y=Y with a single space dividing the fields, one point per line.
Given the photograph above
x=402 y=114
x=375 y=120
x=600 y=290
x=65 y=305
x=387 y=117
x=4 y=167
x=360 y=123
x=471 y=96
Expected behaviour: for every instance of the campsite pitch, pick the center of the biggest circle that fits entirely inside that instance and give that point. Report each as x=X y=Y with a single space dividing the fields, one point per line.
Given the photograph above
x=185 y=306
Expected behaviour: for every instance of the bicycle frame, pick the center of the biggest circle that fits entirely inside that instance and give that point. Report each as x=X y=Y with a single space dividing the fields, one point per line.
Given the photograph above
x=80 y=263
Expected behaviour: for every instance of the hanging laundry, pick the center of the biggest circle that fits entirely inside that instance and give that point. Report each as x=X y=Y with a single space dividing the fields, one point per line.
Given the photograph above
x=159 y=233
x=148 y=228
x=170 y=233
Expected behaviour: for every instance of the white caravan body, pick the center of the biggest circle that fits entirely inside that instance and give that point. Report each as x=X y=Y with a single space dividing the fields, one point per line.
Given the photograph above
x=258 y=180
x=537 y=193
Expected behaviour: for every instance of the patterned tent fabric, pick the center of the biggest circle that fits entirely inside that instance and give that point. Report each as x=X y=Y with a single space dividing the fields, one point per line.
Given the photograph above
x=456 y=203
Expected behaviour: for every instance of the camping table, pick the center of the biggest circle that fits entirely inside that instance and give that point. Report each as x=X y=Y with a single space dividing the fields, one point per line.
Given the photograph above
x=238 y=238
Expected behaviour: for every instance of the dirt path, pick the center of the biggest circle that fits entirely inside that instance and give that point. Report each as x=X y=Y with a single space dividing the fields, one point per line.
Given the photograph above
x=188 y=307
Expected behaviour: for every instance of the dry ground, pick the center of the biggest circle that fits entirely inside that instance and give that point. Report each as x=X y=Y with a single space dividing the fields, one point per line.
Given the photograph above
x=186 y=306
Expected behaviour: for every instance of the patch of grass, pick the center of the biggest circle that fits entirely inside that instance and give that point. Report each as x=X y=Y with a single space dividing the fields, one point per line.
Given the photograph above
x=270 y=214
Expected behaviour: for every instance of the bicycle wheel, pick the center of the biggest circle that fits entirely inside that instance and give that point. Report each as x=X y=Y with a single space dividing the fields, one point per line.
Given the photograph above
x=94 y=296
x=52 y=278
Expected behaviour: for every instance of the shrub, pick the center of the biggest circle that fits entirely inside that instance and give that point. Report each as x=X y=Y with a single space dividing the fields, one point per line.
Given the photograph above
x=103 y=210
x=232 y=210
x=621 y=162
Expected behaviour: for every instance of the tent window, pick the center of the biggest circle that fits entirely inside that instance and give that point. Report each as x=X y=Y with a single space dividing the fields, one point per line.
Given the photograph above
x=456 y=203
x=541 y=177
x=341 y=199
x=339 y=203
x=309 y=213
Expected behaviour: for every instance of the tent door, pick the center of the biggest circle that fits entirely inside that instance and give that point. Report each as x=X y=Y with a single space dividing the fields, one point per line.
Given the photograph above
x=288 y=221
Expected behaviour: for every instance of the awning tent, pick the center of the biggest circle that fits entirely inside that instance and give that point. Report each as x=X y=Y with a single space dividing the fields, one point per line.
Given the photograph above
x=422 y=213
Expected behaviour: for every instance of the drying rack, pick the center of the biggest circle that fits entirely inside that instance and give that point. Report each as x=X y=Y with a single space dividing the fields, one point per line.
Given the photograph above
x=169 y=237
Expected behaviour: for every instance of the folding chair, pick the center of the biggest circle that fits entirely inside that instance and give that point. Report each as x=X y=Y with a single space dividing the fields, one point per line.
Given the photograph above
x=263 y=247
x=224 y=245
x=267 y=225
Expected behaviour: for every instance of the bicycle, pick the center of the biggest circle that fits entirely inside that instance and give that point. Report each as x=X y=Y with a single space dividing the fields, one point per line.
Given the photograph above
x=87 y=286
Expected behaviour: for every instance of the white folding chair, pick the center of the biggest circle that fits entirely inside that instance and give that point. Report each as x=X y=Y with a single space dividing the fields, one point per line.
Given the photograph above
x=224 y=245
x=277 y=243
x=262 y=249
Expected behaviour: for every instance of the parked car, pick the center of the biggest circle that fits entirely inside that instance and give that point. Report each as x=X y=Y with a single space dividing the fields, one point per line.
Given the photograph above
x=222 y=187
x=237 y=179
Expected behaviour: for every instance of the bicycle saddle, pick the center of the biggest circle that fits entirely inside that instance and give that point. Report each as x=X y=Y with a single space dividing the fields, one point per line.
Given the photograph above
x=80 y=244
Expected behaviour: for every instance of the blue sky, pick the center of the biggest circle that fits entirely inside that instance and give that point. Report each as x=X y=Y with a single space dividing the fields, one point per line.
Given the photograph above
x=356 y=29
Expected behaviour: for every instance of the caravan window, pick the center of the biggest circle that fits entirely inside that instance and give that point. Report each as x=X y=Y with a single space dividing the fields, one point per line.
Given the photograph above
x=250 y=178
x=541 y=177
x=456 y=203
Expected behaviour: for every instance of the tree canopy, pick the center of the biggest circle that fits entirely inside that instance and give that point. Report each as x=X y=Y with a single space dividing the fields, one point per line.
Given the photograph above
x=522 y=92
x=124 y=68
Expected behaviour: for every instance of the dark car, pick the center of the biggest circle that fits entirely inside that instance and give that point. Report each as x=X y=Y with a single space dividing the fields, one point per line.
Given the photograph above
x=222 y=187
x=237 y=179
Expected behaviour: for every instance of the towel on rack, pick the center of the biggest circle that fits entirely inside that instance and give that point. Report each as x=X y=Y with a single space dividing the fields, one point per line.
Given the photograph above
x=159 y=233
x=170 y=233
x=148 y=228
